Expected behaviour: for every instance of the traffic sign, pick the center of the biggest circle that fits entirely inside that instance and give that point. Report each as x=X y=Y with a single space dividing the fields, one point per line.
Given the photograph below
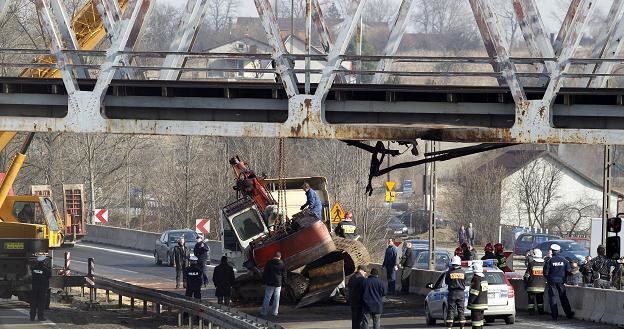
x=101 y=216
x=202 y=225
x=390 y=196
x=336 y=213
x=390 y=185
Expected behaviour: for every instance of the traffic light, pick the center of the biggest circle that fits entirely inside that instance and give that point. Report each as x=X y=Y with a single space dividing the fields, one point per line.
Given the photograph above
x=613 y=247
x=614 y=225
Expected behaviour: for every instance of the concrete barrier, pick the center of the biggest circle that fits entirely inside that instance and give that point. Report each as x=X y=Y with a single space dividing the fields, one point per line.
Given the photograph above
x=136 y=239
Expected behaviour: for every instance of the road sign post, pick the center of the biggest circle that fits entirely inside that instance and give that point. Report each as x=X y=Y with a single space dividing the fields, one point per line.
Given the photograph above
x=390 y=193
x=202 y=226
x=337 y=213
x=101 y=216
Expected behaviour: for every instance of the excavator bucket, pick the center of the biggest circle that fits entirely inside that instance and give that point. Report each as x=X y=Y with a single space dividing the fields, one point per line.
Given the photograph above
x=324 y=282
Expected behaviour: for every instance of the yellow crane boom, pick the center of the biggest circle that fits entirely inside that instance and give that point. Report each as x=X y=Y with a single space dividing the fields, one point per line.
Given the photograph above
x=89 y=29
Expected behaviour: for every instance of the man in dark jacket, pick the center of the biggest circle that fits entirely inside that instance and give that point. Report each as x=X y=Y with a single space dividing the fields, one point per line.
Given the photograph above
x=407 y=262
x=390 y=263
x=489 y=252
x=202 y=252
x=555 y=270
x=455 y=281
x=40 y=273
x=601 y=268
x=180 y=260
x=223 y=278
x=374 y=291
x=194 y=278
x=535 y=282
x=355 y=288
x=274 y=276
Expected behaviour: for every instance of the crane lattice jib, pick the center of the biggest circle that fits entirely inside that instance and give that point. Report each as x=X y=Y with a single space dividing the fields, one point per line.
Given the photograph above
x=89 y=29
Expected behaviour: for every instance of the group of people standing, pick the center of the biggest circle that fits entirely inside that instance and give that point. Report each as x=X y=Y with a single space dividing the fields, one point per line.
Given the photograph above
x=366 y=292
x=192 y=271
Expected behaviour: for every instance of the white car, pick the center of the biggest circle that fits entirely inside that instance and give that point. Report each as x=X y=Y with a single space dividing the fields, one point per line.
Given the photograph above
x=501 y=302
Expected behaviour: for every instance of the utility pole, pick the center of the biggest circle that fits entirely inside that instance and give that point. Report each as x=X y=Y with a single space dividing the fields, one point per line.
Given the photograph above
x=606 y=190
x=432 y=184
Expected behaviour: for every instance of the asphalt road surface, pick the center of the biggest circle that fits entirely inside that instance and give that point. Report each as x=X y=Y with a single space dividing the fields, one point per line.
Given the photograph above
x=139 y=268
x=15 y=314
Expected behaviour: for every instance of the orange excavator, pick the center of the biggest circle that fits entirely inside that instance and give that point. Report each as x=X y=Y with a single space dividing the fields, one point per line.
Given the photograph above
x=254 y=229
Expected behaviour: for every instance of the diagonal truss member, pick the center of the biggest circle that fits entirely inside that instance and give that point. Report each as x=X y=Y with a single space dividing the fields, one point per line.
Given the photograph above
x=185 y=38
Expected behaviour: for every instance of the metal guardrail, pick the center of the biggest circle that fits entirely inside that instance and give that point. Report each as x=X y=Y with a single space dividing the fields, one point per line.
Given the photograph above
x=211 y=314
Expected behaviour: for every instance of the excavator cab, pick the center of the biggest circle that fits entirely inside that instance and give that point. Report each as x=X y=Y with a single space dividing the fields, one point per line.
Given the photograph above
x=242 y=224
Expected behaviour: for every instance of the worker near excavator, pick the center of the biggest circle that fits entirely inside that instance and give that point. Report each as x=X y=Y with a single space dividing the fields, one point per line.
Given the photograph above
x=40 y=274
x=346 y=228
x=313 y=202
x=489 y=252
x=194 y=278
x=499 y=253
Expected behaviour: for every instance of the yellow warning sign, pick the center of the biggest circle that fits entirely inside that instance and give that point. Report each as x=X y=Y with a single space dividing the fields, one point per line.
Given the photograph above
x=390 y=185
x=337 y=214
x=390 y=196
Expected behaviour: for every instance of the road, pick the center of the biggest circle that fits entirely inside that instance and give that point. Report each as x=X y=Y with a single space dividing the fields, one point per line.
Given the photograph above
x=15 y=314
x=400 y=312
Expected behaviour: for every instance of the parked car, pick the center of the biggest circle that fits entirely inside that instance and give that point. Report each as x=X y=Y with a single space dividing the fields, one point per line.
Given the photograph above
x=501 y=302
x=528 y=241
x=569 y=249
x=163 y=251
x=395 y=227
x=585 y=242
x=442 y=259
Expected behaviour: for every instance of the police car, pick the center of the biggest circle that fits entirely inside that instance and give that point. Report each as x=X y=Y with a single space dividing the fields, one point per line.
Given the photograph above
x=501 y=302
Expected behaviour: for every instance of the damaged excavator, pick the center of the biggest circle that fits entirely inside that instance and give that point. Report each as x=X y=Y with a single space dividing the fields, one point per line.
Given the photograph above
x=255 y=226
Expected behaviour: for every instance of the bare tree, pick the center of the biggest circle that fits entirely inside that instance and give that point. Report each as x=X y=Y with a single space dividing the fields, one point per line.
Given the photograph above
x=473 y=195
x=220 y=14
x=573 y=217
x=535 y=188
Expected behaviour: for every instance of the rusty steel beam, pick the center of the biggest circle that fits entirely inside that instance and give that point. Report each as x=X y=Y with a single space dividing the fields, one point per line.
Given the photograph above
x=185 y=38
x=308 y=40
x=569 y=46
x=394 y=40
x=534 y=33
x=608 y=45
x=488 y=42
x=565 y=26
x=321 y=26
x=45 y=11
x=490 y=29
x=334 y=59
x=283 y=67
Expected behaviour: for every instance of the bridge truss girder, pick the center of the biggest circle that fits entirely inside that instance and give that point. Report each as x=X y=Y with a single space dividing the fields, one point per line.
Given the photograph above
x=306 y=111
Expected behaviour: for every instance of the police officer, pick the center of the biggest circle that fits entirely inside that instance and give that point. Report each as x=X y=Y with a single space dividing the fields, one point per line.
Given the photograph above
x=534 y=282
x=489 y=252
x=601 y=268
x=478 y=297
x=194 y=278
x=346 y=228
x=555 y=270
x=455 y=280
x=499 y=253
x=40 y=273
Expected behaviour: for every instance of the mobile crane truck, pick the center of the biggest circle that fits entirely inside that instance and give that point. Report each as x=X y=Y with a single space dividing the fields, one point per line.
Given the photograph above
x=253 y=229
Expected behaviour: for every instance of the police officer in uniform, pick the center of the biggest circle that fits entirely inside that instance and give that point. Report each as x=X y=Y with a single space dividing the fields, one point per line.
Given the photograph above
x=194 y=278
x=346 y=228
x=535 y=283
x=455 y=280
x=40 y=273
x=601 y=268
x=478 y=297
x=555 y=270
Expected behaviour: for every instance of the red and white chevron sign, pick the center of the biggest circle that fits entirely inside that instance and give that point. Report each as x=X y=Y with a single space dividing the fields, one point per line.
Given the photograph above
x=101 y=216
x=202 y=225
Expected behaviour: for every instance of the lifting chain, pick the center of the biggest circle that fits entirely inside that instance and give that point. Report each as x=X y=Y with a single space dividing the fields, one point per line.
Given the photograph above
x=281 y=188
